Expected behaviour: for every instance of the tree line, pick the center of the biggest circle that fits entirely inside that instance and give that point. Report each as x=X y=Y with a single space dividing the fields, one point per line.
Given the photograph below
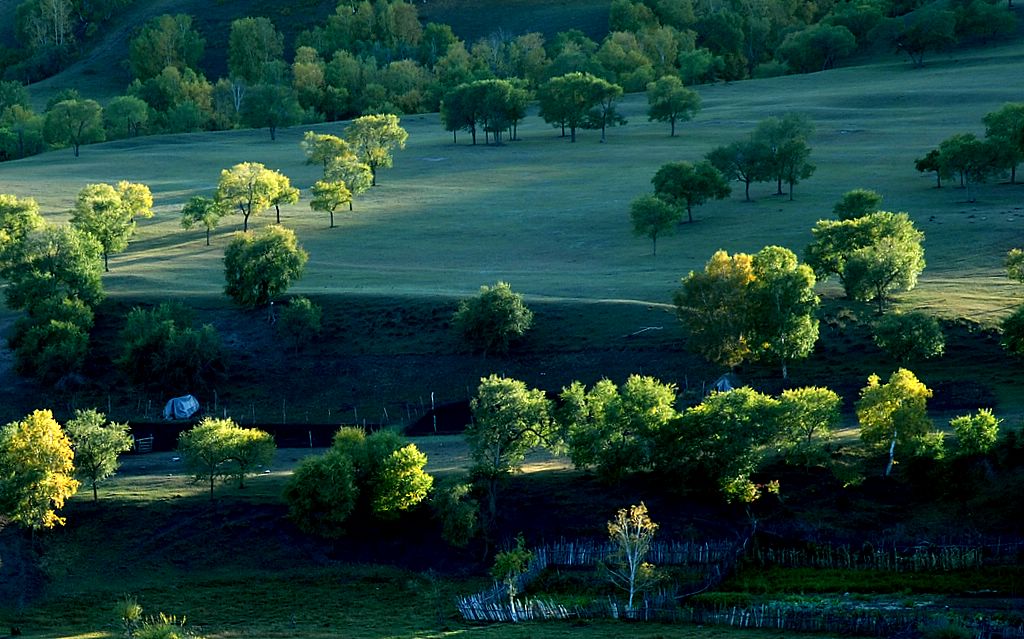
x=379 y=58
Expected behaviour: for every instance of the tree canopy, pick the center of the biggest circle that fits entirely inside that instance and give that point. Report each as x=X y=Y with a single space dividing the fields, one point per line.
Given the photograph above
x=97 y=444
x=373 y=138
x=493 y=319
x=108 y=214
x=894 y=413
x=669 y=101
x=36 y=471
x=651 y=217
x=260 y=266
x=684 y=184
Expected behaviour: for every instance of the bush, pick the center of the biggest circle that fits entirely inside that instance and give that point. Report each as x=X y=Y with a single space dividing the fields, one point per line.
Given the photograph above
x=1013 y=332
x=457 y=511
x=161 y=347
x=857 y=203
x=976 y=433
x=258 y=267
x=493 y=319
x=51 y=350
x=299 y=323
x=377 y=475
x=910 y=337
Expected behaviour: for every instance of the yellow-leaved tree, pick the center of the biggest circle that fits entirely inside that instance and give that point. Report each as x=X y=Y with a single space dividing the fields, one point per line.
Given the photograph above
x=36 y=471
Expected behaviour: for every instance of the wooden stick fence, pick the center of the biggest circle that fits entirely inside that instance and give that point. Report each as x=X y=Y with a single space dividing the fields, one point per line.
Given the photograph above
x=919 y=558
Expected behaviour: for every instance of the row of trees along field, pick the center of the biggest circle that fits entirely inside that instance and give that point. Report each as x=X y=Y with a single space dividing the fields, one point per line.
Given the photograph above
x=379 y=58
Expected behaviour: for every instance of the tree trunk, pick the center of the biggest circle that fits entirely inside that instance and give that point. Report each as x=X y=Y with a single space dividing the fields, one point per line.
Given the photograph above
x=790 y=191
x=273 y=133
x=938 y=180
x=211 y=486
x=95 y=495
x=747 y=190
x=892 y=454
x=278 y=209
x=76 y=145
x=207 y=235
x=785 y=369
x=245 y=222
x=106 y=262
x=572 y=134
x=672 y=122
x=373 y=175
x=455 y=136
x=778 y=188
x=350 y=205
x=332 y=219
x=654 y=244
x=689 y=213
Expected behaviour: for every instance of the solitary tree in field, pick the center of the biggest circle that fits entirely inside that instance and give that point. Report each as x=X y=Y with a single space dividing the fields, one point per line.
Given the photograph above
x=108 y=214
x=206 y=449
x=74 y=123
x=894 y=413
x=36 y=471
x=508 y=421
x=930 y=162
x=250 y=187
x=493 y=319
x=651 y=217
x=97 y=444
x=284 y=193
x=857 y=203
x=632 y=532
x=683 y=184
x=669 y=101
x=329 y=197
x=271 y=106
x=373 y=138
x=259 y=267
x=202 y=211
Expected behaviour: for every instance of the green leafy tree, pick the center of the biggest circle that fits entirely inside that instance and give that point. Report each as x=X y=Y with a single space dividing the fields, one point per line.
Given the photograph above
x=908 y=337
x=976 y=434
x=604 y=113
x=566 y=100
x=746 y=161
x=458 y=511
x=723 y=440
x=1013 y=331
x=162 y=347
x=508 y=566
x=36 y=471
x=972 y=159
x=614 y=430
x=252 y=44
x=684 y=184
x=808 y=418
x=669 y=101
x=1015 y=265
x=108 y=214
x=857 y=203
x=250 y=449
x=508 y=421
x=872 y=255
x=18 y=218
x=357 y=176
x=202 y=211
x=651 y=217
x=931 y=162
x=322 y=148
x=300 y=322
x=1004 y=128
x=493 y=319
x=784 y=140
x=284 y=193
x=50 y=348
x=56 y=262
x=632 y=532
x=711 y=304
x=782 y=304
x=249 y=186
x=373 y=138
x=271 y=106
x=927 y=29
x=165 y=41
x=21 y=132
x=328 y=197
x=321 y=494
x=124 y=117
x=74 y=123
x=97 y=444
x=817 y=47
x=261 y=266
x=894 y=414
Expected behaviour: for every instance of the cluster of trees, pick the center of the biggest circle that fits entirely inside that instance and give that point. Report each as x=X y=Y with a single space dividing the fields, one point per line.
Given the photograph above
x=973 y=160
x=377 y=475
x=42 y=464
x=220 y=448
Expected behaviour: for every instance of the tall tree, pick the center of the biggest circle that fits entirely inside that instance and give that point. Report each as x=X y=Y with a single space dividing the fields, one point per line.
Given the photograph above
x=252 y=43
x=97 y=444
x=74 y=123
x=36 y=471
x=356 y=175
x=284 y=193
x=669 y=101
x=632 y=532
x=653 y=216
x=108 y=214
x=54 y=263
x=785 y=139
x=206 y=449
x=329 y=197
x=857 y=203
x=685 y=184
x=566 y=100
x=782 y=304
x=604 y=114
x=18 y=218
x=712 y=305
x=165 y=41
x=373 y=138
x=259 y=267
x=744 y=160
x=272 y=106
x=931 y=162
x=973 y=159
x=894 y=413
x=321 y=148
x=204 y=211
x=508 y=421
x=1005 y=129
x=250 y=186
x=929 y=28
x=124 y=117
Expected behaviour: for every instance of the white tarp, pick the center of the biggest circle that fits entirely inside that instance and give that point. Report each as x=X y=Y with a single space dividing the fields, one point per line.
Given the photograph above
x=181 y=407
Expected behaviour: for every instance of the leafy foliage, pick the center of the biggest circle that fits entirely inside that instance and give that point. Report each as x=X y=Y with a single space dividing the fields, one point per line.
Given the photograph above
x=458 y=512
x=299 y=322
x=684 y=184
x=373 y=138
x=857 y=203
x=220 y=448
x=908 y=337
x=108 y=214
x=976 y=434
x=261 y=266
x=201 y=210
x=36 y=471
x=669 y=101
x=97 y=444
x=651 y=217
x=492 y=320
x=161 y=346
x=632 y=532
x=894 y=413
x=808 y=417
